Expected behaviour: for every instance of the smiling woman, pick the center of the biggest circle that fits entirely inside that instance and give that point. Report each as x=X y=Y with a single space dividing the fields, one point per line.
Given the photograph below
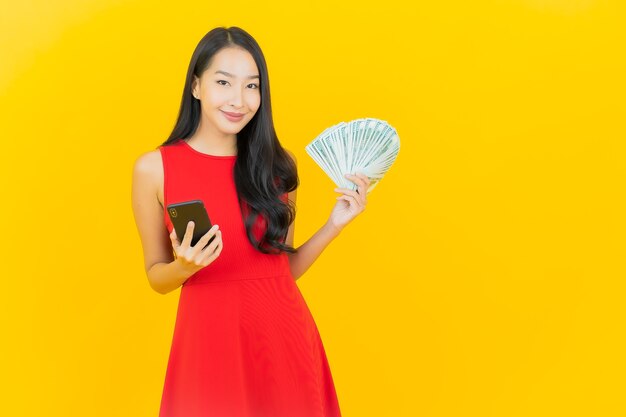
x=227 y=95
x=245 y=343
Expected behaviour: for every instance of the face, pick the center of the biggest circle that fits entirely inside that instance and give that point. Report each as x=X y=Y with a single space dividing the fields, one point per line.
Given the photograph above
x=228 y=90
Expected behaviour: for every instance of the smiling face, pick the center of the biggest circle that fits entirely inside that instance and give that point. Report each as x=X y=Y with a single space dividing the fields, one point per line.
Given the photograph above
x=229 y=90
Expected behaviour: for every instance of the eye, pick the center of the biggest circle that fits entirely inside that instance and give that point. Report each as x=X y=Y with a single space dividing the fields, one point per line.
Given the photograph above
x=254 y=85
x=219 y=81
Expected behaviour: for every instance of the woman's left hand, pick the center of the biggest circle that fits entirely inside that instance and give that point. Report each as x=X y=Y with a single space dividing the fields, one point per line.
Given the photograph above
x=351 y=203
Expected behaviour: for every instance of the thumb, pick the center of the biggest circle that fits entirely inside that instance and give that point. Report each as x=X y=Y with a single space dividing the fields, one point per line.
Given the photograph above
x=173 y=237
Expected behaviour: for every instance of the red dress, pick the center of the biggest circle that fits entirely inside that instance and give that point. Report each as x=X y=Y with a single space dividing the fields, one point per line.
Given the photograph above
x=244 y=343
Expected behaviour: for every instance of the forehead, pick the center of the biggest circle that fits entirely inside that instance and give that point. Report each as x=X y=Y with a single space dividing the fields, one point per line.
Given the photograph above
x=236 y=61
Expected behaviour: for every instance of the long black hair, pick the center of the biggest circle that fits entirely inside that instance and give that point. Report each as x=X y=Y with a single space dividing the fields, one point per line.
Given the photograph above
x=263 y=170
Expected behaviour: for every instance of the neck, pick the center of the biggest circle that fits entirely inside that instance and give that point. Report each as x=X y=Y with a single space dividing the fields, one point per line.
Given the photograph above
x=209 y=140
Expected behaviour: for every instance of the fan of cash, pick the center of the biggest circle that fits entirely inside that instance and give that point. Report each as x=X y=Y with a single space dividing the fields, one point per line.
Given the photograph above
x=363 y=145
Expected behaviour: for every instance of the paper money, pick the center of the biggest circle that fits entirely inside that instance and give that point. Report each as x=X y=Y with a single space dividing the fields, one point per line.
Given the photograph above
x=364 y=145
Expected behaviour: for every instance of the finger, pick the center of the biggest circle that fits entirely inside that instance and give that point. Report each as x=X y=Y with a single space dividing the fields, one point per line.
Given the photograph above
x=214 y=252
x=210 y=259
x=365 y=178
x=218 y=249
x=364 y=188
x=211 y=246
x=366 y=183
x=188 y=234
x=360 y=180
x=207 y=236
x=347 y=191
x=351 y=200
x=174 y=239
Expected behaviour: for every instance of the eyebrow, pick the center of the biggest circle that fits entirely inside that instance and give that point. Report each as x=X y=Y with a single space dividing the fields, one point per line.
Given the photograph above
x=231 y=75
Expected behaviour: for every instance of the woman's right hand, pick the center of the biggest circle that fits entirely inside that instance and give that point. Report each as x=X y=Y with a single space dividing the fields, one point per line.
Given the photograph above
x=194 y=258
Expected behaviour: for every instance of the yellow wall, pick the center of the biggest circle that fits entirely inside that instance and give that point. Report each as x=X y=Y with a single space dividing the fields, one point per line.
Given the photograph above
x=486 y=277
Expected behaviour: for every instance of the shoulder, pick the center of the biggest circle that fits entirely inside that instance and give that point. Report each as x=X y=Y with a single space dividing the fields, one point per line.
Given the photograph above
x=148 y=166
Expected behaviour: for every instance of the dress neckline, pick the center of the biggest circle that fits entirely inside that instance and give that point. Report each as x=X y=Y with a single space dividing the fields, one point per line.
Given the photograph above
x=188 y=146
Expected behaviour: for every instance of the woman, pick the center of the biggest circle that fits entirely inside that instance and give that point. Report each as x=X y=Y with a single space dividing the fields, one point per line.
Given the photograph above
x=245 y=343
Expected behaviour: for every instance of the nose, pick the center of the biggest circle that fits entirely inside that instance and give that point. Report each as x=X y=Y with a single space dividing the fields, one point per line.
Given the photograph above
x=236 y=99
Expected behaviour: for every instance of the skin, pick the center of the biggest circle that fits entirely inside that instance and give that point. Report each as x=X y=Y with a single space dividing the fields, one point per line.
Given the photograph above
x=168 y=261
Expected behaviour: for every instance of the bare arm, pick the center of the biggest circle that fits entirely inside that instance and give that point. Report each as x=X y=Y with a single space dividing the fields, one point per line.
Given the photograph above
x=308 y=252
x=166 y=272
x=166 y=277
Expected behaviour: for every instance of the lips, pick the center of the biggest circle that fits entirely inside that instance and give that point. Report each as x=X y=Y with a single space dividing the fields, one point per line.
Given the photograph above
x=233 y=114
x=233 y=117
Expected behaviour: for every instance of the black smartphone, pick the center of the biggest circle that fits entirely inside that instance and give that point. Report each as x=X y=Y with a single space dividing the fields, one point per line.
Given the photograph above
x=186 y=211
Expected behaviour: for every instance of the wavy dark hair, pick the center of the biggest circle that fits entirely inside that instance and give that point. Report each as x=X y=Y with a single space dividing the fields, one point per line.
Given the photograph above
x=263 y=170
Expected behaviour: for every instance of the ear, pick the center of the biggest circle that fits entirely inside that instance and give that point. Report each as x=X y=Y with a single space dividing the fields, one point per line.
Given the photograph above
x=194 y=86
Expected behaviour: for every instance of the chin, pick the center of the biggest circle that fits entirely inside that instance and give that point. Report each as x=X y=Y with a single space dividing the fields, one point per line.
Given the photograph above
x=234 y=127
x=232 y=130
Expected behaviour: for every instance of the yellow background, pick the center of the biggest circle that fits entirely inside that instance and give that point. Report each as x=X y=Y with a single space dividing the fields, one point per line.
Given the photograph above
x=485 y=278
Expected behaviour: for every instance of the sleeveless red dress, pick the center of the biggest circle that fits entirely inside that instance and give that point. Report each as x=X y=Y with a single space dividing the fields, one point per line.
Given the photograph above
x=244 y=342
